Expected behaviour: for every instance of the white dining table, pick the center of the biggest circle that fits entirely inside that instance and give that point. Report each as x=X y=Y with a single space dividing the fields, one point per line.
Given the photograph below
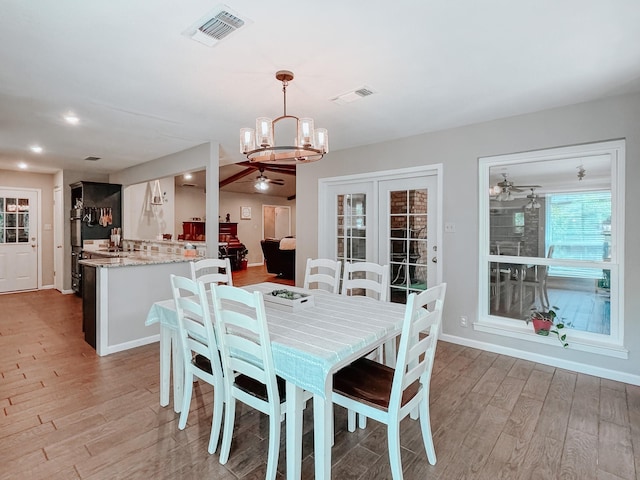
x=309 y=345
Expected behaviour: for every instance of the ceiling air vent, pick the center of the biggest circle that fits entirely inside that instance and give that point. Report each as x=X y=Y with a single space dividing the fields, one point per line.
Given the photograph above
x=92 y=159
x=215 y=26
x=353 y=96
x=363 y=92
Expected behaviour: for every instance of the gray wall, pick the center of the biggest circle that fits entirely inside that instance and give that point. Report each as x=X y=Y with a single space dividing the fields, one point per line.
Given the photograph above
x=458 y=150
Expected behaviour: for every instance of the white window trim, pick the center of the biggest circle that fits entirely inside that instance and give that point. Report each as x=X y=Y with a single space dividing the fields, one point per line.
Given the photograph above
x=609 y=345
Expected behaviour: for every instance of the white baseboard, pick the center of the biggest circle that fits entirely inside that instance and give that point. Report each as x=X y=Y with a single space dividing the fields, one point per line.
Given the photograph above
x=544 y=359
x=47 y=287
x=129 y=345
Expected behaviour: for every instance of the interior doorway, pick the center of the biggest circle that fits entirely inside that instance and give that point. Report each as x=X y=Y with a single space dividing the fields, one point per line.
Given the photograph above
x=276 y=221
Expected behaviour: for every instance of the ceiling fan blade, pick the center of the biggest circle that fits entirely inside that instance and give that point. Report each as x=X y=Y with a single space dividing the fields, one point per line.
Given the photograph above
x=279 y=182
x=515 y=189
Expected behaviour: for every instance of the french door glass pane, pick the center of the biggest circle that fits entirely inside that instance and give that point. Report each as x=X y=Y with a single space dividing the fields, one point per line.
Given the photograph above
x=407 y=242
x=352 y=227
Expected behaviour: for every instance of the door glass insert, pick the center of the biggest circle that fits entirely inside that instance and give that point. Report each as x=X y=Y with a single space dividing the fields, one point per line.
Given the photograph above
x=408 y=252
x=352 y=227
x=14 y=220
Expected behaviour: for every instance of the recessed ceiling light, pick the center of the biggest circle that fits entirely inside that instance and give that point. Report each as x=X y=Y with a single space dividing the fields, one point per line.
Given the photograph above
x=188 y=176
x=71 y=119
x=36 y=149
x=22 y=165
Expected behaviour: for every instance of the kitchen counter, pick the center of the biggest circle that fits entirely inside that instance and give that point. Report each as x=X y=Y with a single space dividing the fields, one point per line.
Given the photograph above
x=127 y=259
x=115 y=301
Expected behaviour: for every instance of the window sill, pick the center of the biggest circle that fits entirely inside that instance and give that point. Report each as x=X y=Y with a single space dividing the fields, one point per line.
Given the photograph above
x=505 y=328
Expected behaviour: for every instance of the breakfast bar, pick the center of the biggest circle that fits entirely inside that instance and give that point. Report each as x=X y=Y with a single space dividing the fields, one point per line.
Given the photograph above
x=118 y=291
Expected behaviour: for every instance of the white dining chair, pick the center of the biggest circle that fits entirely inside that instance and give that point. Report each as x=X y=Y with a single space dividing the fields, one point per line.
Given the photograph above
x=324 y=274
x=199 y=350
x=247 y=363
x=388 y=395
x=212 y=270
x=366 y=278
x=371 y=280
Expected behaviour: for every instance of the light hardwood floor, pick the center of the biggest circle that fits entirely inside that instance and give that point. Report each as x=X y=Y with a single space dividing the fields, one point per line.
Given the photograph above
x=67 y=414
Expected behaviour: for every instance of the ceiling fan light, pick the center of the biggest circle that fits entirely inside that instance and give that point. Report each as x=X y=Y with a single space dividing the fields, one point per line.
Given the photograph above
x=262 y=185
x=247 y=139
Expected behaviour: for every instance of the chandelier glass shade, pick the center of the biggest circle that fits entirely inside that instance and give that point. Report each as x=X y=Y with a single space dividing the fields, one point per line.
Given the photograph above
x=258 y=144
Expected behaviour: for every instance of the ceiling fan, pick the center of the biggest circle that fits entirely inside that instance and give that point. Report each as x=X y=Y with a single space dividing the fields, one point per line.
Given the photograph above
x=262 y=182
x=533 y=200
x=504 y=188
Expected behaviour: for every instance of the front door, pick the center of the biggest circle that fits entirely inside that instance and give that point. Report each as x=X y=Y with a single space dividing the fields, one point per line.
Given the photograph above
x=18 y=240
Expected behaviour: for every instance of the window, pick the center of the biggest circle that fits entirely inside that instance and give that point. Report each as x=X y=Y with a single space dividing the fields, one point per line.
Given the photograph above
x=551 y=230
x=578 y=228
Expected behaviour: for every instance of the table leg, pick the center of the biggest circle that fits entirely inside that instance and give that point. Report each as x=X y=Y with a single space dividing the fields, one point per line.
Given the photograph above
x=322 y=413
x=165 y=360
x=178 y=372
x=294 y=431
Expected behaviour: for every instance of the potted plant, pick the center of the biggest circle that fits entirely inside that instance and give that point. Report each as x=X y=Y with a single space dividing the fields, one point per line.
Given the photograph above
x=243 y=259
x=544 y=322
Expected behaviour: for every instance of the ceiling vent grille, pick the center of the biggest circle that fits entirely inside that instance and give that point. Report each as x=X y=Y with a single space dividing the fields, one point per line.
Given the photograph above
x=92 y=159
x=350 y=97
x=215 y=26
x=363 y=92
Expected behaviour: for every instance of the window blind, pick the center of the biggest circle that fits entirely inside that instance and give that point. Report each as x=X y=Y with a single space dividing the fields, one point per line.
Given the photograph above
x=578 y=226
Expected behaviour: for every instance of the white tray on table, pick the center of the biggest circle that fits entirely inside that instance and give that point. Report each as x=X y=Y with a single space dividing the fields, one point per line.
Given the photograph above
x=300 y=301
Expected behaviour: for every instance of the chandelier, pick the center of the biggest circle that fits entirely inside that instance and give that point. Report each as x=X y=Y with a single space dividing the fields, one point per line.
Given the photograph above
x=258 y=145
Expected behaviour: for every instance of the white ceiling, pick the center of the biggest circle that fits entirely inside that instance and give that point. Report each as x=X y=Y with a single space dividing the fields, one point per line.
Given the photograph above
x=142 y=89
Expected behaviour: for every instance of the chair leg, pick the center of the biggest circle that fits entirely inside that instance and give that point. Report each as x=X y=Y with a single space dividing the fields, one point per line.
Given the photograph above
x=362 y=421
x=544 y=293
x=186 y=399
x=216 y=422
x=390 y=353
x=425 y=424
x=393 y=441
x=227 y=434
x=351 y=420
x=274 y=447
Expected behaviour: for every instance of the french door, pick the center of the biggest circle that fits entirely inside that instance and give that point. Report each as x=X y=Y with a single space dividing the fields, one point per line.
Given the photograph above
x=407 y=230
x=388 y=219
x=18 y=240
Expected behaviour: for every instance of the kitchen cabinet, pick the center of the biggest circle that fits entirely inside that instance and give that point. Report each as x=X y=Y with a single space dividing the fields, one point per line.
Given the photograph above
x=89 y=304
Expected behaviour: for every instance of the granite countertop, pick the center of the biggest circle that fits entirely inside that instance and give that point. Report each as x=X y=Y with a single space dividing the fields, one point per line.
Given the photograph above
x=129 y=259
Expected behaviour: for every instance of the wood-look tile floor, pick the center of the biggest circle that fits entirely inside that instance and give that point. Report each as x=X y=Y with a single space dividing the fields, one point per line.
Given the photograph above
x=66 y=413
